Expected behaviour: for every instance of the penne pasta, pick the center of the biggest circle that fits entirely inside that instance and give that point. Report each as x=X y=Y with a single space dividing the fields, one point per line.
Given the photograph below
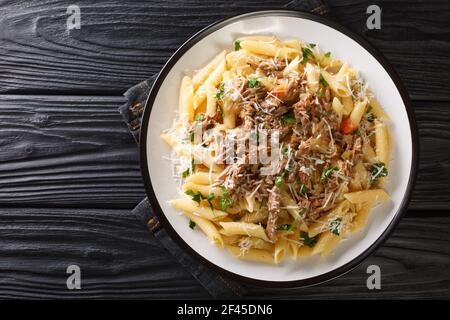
x=255 y=255
x=192 y=207
x=199 y=78
x=329 y=150
x=244 y=228
x=372 y=195
x=207 y=227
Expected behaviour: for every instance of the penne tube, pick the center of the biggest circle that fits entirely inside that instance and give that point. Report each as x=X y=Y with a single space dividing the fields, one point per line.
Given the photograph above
x=269 y=49
x=211 y=101
x=208 y=228
x=244 y=228
x=372 y=195
x=347 y=102
x=200 y=77
x=336 y=84
x=360 y=219
x=358 y=112
x=312 y=77
x=255 y=255
x=256 y=216
x=185 y=150
x=256 y=243
x=213 y=80
x=193 y=208
x=205 y=178
x=382 y=143
x=326 y=243
x=186 y=107
x=280 y=250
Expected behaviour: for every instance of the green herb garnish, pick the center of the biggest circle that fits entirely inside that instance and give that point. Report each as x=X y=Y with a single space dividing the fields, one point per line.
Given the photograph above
x=286 y=227
x=306 y=53
x=357 y=133
x=312 y=45
x=377 y=170
x=237 y=45
x=320 y=93
x=370 y=117
x=225 y=199
x=185 y=173
x=197 y=197
x=310 y=242
x=327 y=55
x=192 y=224
x=199 y=117
x=322 y=81
x=279 y=181
x=303 y=212
x=303 y=189
x=221 y=93
x=327 y=173
x=209 y=199
x=253 y=82
x=288 y=119
x=335 y=225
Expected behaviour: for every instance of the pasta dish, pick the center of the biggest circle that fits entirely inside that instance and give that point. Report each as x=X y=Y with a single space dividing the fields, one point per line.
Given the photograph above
x=280 y=150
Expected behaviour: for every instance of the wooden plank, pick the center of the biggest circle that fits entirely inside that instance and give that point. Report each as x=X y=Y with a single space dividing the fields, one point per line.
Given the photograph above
x=74 y=151
x=123 y=42
x=115 y=253
x=119 y=259
x=67 y=151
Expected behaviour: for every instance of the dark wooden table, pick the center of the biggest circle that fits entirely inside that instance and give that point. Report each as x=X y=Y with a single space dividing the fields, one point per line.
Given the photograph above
x=69 y=172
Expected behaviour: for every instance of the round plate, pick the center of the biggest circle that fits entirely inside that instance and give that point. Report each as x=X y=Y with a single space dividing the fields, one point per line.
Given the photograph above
x=329 y=36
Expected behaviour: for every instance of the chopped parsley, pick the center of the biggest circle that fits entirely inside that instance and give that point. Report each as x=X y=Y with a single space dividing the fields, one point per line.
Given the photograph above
x=327 y=55
x=253 y=82
x=303 y=189
x=286 y=227
x=357 y=133
x=326 y=173
x=191 y=136
x=225 y=199
x=306 y=53
x=237 y=45
x=312 y=45
x=199 y=117
x=209 y=199
x=287 y=151
x=188 y=170
x=279 y=181
x=310 y=242
x=303 y=212
x=370 y=117
x=185 y=173
x=196 y=196
x=335 y=226
x=288 y=119
x=221 y=93
x=320 y=93
x=377 y=170
x=192 y=224
x=322 y=81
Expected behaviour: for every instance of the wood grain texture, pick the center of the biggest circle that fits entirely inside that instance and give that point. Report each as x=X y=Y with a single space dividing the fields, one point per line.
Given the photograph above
x=74 y=151
x=69 y=171
x=118 y=259
x=67 y=151
x=123 y=42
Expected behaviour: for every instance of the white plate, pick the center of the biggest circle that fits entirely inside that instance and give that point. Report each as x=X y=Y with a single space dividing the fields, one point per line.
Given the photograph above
x=160 y=112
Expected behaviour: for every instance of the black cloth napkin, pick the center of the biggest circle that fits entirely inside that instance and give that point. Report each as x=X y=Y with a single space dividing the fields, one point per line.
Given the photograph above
x=217 y=285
